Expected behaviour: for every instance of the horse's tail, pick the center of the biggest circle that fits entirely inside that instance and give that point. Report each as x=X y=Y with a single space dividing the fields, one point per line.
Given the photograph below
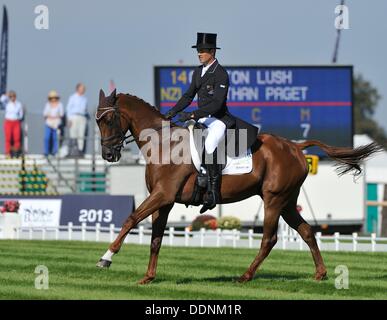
x=347 y=159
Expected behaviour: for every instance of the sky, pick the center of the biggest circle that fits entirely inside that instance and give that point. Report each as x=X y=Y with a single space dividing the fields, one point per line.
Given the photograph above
x=95 y=41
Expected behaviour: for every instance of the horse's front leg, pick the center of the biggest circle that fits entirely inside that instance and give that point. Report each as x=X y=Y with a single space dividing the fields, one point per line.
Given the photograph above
x=159 y=221
x=157 y=199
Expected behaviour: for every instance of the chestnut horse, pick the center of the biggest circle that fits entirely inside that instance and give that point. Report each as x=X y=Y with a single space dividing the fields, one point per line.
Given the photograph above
x=279 y=169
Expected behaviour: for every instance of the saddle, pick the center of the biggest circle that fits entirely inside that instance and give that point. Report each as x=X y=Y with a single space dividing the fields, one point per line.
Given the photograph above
x=231 y=164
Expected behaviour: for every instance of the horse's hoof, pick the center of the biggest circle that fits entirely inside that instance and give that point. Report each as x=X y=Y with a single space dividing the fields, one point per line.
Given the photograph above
x=321 y=276
x=102 y=263
x=146 y=280
x=244 y=279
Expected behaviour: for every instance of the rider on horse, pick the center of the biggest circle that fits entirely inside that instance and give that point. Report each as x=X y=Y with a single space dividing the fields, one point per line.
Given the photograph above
x=210 y=82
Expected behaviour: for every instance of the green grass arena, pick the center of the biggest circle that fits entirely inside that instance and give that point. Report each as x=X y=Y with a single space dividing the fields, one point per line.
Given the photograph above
x=183 y=273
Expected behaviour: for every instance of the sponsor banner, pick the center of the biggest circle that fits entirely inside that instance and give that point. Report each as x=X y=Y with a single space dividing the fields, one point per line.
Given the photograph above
x=39 y=212
x=77 y=209
x=92 y=209
x=36 y=212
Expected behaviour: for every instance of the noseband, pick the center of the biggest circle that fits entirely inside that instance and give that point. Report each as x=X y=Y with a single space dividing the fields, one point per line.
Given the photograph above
x=123 y=138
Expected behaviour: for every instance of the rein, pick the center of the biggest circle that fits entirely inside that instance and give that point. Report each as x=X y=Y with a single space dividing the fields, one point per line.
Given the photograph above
x=123 y=138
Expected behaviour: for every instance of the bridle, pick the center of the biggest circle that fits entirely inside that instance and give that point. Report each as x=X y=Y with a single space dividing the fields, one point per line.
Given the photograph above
x=123 y=138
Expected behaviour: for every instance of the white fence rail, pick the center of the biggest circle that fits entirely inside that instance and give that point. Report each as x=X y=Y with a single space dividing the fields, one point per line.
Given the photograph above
x=202 y=238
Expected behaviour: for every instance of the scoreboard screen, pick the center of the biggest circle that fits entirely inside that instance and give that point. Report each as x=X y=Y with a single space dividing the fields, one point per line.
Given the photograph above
x=296 y=102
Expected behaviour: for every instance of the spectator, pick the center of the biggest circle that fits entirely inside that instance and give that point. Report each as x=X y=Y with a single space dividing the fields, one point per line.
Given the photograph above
x=53 y=114
x=12 y=123
x=76 y=113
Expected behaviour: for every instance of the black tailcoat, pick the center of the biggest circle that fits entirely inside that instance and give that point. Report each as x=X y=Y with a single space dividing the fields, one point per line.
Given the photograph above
x=212 y=91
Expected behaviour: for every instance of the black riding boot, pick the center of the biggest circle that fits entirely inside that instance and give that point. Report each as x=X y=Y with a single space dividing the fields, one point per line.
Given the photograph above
x=214 y=172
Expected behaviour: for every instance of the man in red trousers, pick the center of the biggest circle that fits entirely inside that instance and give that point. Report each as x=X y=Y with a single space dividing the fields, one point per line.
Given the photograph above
x=12 y=123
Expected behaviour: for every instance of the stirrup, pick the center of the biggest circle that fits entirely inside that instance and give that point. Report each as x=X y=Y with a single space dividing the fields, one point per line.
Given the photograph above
x=207 y=205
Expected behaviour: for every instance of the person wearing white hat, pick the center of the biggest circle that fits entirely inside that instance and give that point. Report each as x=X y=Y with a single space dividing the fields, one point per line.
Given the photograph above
x=53 y=114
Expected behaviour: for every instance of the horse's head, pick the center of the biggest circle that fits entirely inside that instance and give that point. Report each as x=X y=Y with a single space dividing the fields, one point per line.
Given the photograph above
x=112 y=126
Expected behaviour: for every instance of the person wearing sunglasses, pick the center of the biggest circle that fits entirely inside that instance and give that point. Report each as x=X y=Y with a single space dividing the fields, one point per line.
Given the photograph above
x=12 y=123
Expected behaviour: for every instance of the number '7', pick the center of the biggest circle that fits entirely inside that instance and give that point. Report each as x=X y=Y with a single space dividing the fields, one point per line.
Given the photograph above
x=306 y=128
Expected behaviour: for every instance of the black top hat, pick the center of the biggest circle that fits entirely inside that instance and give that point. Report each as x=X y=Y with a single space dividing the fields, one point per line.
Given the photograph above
x=206 y=41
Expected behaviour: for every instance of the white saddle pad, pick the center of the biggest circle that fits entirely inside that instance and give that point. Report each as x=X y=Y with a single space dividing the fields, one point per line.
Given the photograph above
x=234 y=165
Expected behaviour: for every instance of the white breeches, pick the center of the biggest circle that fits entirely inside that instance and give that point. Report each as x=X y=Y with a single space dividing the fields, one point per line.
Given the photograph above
x=215 y=133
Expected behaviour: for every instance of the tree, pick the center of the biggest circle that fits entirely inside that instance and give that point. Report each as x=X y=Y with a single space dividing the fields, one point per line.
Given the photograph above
x=366 y=98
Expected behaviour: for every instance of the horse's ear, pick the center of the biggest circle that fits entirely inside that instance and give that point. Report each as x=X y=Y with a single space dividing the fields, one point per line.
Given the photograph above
x=101 y=95
x=113 y=94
